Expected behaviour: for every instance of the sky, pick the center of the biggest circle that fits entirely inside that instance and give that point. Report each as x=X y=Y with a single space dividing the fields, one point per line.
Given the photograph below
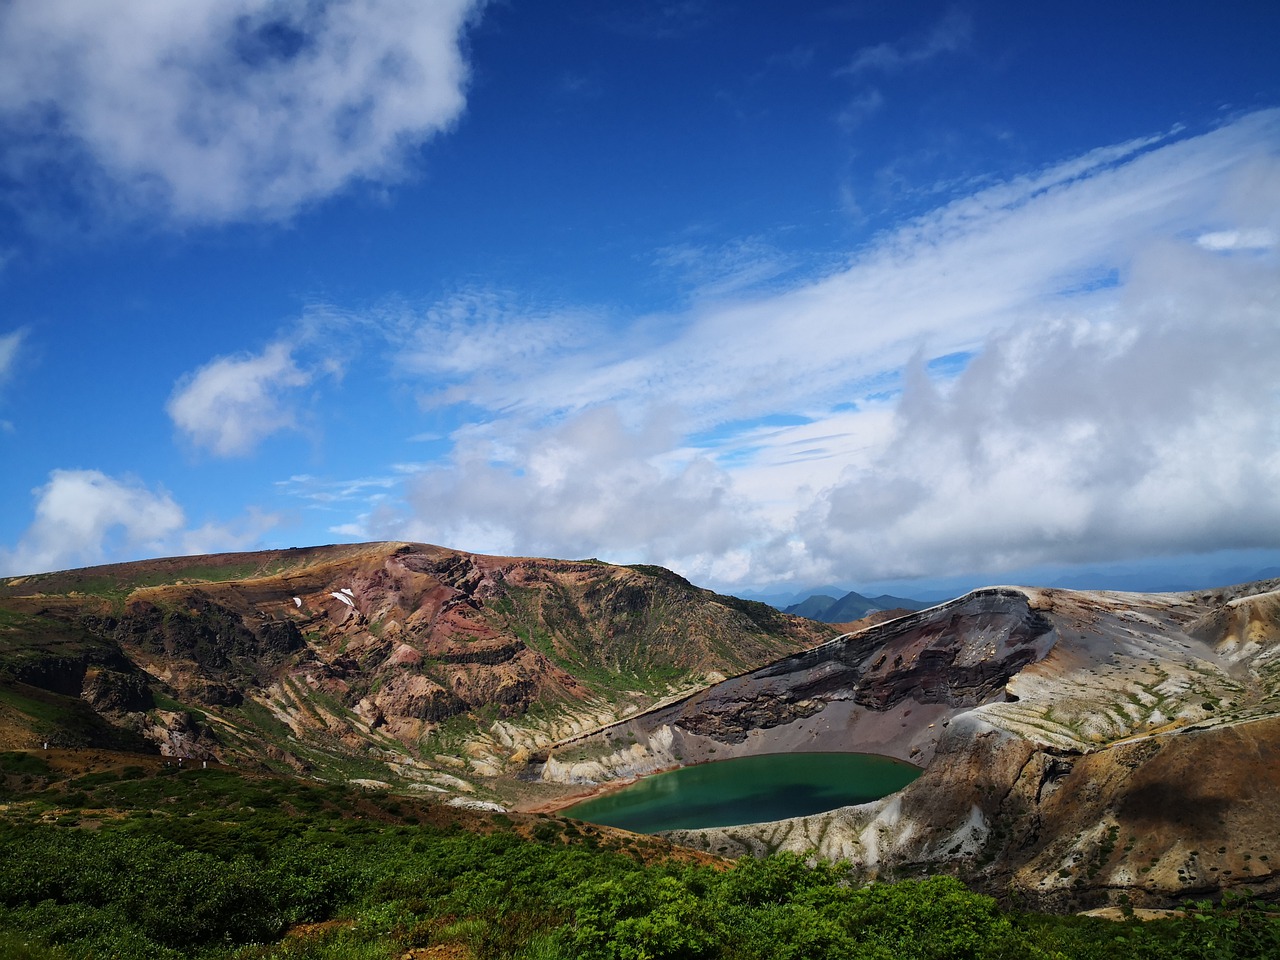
x=889 y=295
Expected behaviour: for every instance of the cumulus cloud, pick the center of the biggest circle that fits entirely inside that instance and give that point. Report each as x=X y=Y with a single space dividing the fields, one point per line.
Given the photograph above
x=232 y=403
x=217 y=110
x=591 y=485
x=1150 y=430
x=1110 y=393
x=244 y=533
x=85 y=517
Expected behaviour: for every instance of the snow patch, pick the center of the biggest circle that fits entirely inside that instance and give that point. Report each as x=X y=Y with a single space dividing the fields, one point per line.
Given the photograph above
x=343 y=597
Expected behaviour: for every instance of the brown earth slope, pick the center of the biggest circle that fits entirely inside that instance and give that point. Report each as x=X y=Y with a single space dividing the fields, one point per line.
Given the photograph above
x=1078 y=747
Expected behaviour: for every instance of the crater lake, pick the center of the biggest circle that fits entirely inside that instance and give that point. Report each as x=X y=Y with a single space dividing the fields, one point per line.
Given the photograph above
x=754 y=789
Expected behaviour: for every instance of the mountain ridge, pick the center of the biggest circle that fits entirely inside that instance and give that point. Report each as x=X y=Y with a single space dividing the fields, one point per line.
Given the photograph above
x=404 y=663
x=1077 y=746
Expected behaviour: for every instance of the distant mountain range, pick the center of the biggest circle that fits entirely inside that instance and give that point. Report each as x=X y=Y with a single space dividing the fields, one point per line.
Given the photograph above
x=852 y=606
x=1167 y=583
x=930 y=593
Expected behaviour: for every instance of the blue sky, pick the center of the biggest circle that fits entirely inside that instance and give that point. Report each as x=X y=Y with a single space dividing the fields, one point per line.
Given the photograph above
x=881 y=294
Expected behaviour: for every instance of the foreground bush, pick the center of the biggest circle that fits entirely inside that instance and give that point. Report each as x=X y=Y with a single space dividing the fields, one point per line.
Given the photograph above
x=216 y=882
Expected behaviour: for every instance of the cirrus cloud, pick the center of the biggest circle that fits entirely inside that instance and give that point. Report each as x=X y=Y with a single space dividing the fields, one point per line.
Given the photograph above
x=1092 y=381
x=951 y=34
x=9 y=345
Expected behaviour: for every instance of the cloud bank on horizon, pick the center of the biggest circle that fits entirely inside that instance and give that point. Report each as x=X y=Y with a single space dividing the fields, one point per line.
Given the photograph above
x=1044 y=364
x=1117 y=396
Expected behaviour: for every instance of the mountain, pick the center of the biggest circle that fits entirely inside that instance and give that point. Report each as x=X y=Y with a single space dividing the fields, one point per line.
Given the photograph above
x=812 y=607
x=1080 y=749
x=850 y=607
x=784 y=599
x=405 y=664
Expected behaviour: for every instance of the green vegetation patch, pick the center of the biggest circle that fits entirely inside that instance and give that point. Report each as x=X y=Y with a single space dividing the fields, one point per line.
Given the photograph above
x=211 y=864
x=66 y=721
x=117 y=581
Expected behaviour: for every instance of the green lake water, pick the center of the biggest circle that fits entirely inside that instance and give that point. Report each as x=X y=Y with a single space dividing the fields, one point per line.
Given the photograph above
x=771 y=786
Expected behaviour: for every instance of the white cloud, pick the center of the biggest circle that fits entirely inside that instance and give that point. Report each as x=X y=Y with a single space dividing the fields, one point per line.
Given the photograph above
x=592 y=485
x=951 y=34
x=245 y=533
x=325 y=493
x=996 y=259
x=859 y=109
x=232 y=403
x=10 y=346
x=1121 y=398
x=1258 y=239
x=1150 y=429
x=475 y=331
x=218 y=110
x=85 y=517
x=10 y=343
x=718 y=271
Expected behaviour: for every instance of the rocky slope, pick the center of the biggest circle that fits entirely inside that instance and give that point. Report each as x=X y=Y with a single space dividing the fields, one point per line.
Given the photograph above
x=400 y=663
x=1078 y=747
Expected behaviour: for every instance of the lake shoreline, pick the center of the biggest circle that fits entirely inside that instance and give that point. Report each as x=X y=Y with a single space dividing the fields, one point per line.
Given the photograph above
x=755 y=789
x=592 y=791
